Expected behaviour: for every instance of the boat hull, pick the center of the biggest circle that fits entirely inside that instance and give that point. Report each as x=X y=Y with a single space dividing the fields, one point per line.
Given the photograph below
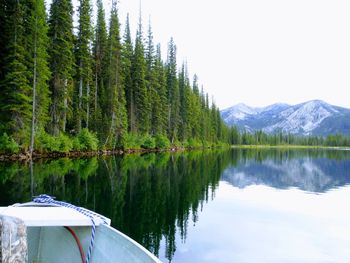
x=113 y=246
x=56 y=245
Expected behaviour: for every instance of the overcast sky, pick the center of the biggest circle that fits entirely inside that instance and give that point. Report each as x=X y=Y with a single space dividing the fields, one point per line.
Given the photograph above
x=256 y=52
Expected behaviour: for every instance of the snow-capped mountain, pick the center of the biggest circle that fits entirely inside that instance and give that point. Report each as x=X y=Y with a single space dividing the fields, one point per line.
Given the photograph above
x=314 y=117
x=238 y=112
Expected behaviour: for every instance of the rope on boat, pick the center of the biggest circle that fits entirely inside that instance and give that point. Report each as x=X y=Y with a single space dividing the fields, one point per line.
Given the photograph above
x=81 y=251
x=46 y=199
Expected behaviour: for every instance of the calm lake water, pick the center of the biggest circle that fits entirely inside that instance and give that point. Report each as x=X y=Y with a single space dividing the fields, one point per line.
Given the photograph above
x=211 y=206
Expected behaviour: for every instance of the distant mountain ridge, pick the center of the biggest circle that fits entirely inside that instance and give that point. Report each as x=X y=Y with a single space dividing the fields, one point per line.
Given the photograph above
x=314 y=117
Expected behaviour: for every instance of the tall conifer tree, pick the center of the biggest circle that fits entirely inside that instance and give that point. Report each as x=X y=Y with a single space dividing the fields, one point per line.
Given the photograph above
x=160 y=118
x=152 y=84
x=83 y=64
x=116 y=110
x=149 y=52
x=3 y=36
x=38 y=59
x=127 y=58
x=61 y=63
x=15 y=90
x=142 y=103
x=100 y=49
x=195 y=109
x=173 y=92
x=185 y=111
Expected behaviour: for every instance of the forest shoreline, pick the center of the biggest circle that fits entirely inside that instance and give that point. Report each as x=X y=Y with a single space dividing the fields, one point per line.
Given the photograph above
x=291 y=146
x=26 y=156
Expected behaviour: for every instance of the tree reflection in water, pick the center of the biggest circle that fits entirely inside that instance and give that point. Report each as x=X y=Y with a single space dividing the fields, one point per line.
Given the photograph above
x=152 y=196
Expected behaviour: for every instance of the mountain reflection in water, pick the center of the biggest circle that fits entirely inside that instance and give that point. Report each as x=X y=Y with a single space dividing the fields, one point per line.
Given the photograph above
x=154 y=198
x=315 y=172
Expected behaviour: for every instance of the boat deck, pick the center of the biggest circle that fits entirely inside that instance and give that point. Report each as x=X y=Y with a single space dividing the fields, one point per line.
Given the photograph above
x=49 y=216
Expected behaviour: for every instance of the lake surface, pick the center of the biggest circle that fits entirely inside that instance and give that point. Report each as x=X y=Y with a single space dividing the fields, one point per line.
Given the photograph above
x=208 y=206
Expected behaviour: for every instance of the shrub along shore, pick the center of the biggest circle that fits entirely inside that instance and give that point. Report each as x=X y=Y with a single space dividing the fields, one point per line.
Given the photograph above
x=87 y=144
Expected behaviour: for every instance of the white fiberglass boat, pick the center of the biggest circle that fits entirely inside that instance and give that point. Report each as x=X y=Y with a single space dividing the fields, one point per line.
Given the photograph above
x=49 y=231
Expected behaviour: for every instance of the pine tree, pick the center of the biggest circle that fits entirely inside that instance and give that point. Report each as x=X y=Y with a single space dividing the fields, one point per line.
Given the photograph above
x=160 y=117
x=195 y=109
x=182 y=109
x=172 y=92
x=185 y=103
x=203 y=116
x=142 y=103
x=152 y=84
x=15 y=90
x=38 y=58
x=83 y=64
x=213 y=130
x=219 y=126
x=116 y=106
x=149 y=53
x=195 y=85
x=127 y=58
x=100 y=49
x=3 y=37
x=61 y=63
x=207 y=119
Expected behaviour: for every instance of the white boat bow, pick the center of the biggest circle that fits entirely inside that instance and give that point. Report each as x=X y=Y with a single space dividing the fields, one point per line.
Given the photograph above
x=50 y=236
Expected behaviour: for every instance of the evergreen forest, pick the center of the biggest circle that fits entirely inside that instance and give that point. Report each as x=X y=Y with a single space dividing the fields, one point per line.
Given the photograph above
x=93 y=87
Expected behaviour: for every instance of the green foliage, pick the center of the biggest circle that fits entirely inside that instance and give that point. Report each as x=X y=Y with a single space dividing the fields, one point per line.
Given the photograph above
x=162 y=142
x=159 y=101
x=8 y=144
x=65 y=143
x=172 y=92
x=185 y=104
x=98 y=94
x=38 y=60
x=278 y=139
x=15 y=89
x=76 y=144
x=61 y=61
x=141 y=93
x=87 y=140
x=132 y=141
x=48 y=143
x=83 y=65
x=115 y=104
x=194 y=143
x=148 y=142
x=178 y=144
x=126 y=59
x=135 y=141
